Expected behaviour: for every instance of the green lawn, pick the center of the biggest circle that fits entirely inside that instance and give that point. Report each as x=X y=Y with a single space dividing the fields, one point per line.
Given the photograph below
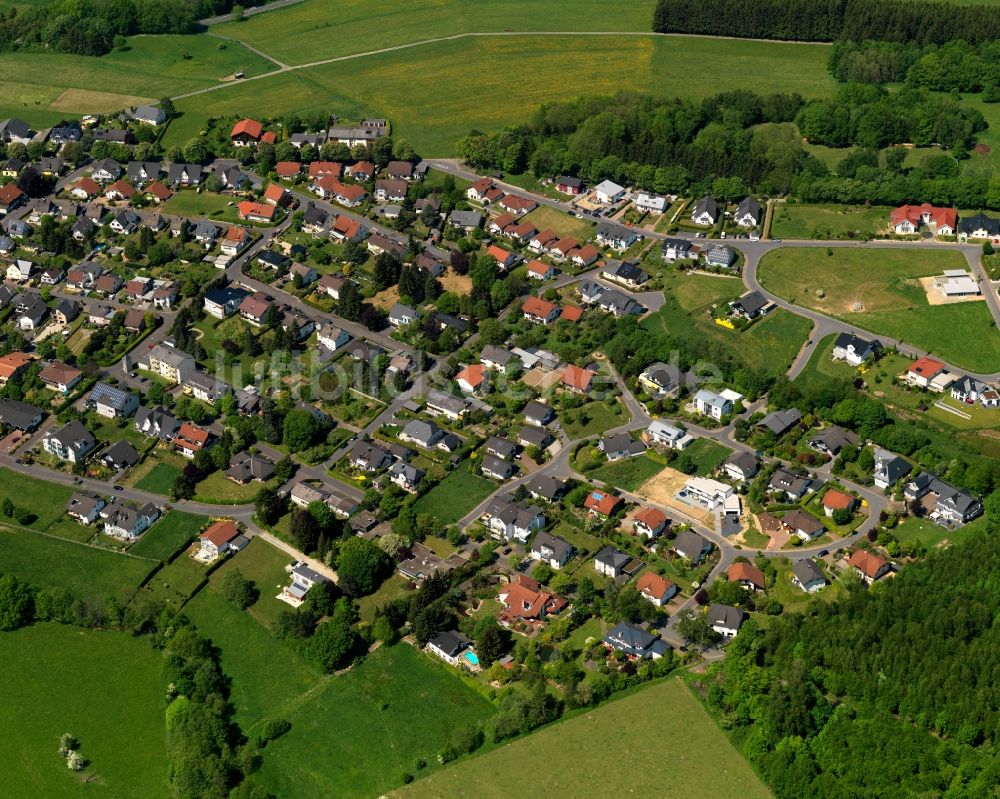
x=55 y=563
x=571 y=758
x=690 y=302
x=592 y=418
x=46 y=501
x=894 y=305
x=103 y=687
x=177 y=582
x=707 y=454
x=265 y=564
x=358 y=735
x=166 y=538
x=250 y=654
x=455 y=496
x=930 y=535
x=217 y=489
x=545 y=217
x=396 y=587
x=160 y=478
x=405 y=85
x=628 y=473
x=798 y=221
x=190 y=202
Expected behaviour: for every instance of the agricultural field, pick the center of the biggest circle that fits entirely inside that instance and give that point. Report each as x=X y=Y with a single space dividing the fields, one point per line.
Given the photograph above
x=404 y=85
x=884 y=283
x=627 y=473
x=769 y=345
x=455 y=496
x=50 y=86
x=570 y=758
x=371 y=724
x=103 y=687
x=306 y=31
x=796 y=221
x=82 y=570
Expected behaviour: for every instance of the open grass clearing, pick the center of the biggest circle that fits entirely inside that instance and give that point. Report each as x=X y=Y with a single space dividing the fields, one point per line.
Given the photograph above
x=930 y=535
x=217 y=489
x=265 y=564
x=103 y=687
x=799 y=221
x=593 y=418
x=159 y=479
x=82 y=570
x=178 y=581
x=627 y=473
x=570 y=758
x=191 y=202
x=168 y=536
x=455 y=496
x=404 y=85
x=707 y=455
x=46 y=501
x=249 y=655
x=371 y=725
x=396 y=587
x=883 y=283
x=545 y=217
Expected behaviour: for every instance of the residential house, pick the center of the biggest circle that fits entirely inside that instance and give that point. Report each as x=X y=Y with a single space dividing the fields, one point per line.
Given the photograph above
x=235 y=241
x=831 y=440
x=608 y=192
x=979 y=226
x=791 y=486
x=601 y=503
x=156 y=422
x=246 y=133
x=667 y=435
x=505 y=260
x=541 y=271
x=72 y=442
x=333 y=337
x=539 y=311
x=367 y=456
x=31 y=312
x=691 y=546
x=14 y=365
x=705 y=211
x=625 y=272
x=635 y=643
x=400 y=315
x=720 y=255
x=303 y=579
x=834 y=500
x=184 y=174
x=538 y=413
x=550 y=549
x=440 y=403
x=190 y=439
x=113 y=402
x=854 y=350
x=749 y=213
x=126 y=522
x=255 y=212
x=908 y=219
x=245 y=468
x=656 y=589
x=750 y=306
x=59 y=377
x=149 y=115
x=889 y=468
x=804 y=525
x=569 y=185
x=85 y=507
x=542 y=486
x=677 y=249
x=618 y=446
x=406 y=476
x=968 y=389
x=741 y=466
x=747 y=576
x=105 y=171
x=725 y=619
x=780 y=422
x=509 y=520
x=21 y=270
x=120 y=455
x=219 y=538
x=517 y=205
x=576 y=379
x=807 y=576
x=870 y=567
x=449 y=645
x=391 y=190
x=613 y=562
x=223 y=302
x=493 y=357
x=497 y=468
x=206 y=387
x=708 y=403
x=19 y=415
x=651 y=203
x=523 y=600
x=472 y=378
x=173 y=364
x=617 y=237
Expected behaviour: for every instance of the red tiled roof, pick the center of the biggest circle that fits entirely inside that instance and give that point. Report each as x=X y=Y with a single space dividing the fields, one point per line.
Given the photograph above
x=602 y=502
x=220 y=532
x=914 y=214
x=651 y=517
x=158 y=190
x=867 y=563
x=536 y=306
x=287 y=169
x=653 y=585
x=837 y=500
x=571 y=313
x=9 y=193
x=275 y=194
x=746 y=572
x=193 y=435
x=318 y=169
x=249 y=209
x=12 y=363
x=122 y=187
x=538 y=268
x=247 y=127
x=472 y=374
x=925 y=367
x=89 y=185
x=577 y=378
x=269 y=137
x=498 y=252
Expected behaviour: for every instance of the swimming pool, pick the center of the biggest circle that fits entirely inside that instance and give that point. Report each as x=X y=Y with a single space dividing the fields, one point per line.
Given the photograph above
x=472 y=658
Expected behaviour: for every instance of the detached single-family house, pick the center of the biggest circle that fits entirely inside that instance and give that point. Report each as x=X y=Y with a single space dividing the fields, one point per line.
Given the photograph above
x=791 y=486
x=708 y=403
x=550 y=549
x=747 y=576
x=804 y=525
x=538 y=413
x=400 y=315
x=725 y=619
x=691 y=546
x=667 y=435
x=652 y=203
x=85 y=507
x=113 y=402
x=619 y=446
x=635 y=643
x=245 y=468
x=19 y=415
x=750 y=305
x=60 y=377
x=889 y=468
x=908 y=219
x=72 y=442
x=741 y=466
x=834 y=500
x=831 y=440
x=569 y=185
x=191 y=439
x=128 y=523
x=449 y=646
x=922 y=372
x=156 y=422
x=333 y=337
x=615 y=236
x=780 y=422
x=807 y=576
x=219 y=538
x=748 y=213
x=854 y=350
x=539 y=311
x=656 y=589
x=650 y=522
x=869 y=567
x=608 y=192
x=625 y=272
x=613 y=562
x=676 y=249
x=705 y=211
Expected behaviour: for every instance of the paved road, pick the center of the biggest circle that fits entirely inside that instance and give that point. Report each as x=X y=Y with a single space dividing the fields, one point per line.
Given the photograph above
x=249 y=12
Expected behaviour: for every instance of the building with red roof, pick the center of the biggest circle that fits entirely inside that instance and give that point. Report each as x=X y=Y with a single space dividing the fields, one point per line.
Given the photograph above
x=658 y=590
x=747 y=575
x=576 y=379
x=908 y=219
x=922 y=371
x=571 y=313
x=504 y=259
x=276 y=195
x=834 y=500
x=191 y=439
x=288 y=169
x=539 y=311
x=524 y=600
x=246 y=133
x=602 y=503
x=218 y=538
x=255 y=212
x=650 y=522
x=869 y=566
x=471 y=378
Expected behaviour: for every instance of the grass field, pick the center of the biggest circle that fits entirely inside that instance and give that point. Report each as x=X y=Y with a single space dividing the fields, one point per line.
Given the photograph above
x=217 y=489
x=307 y=32
x=48 y=86
x=769 y=345
x=545 y=217
x=571 y=758
x=455 y=496
x=883 y=281
x=46 y=501
x=103 y=687
x=516 y=73
x=249 y=653
x=796 y=221
x=192 y=203
x=592 y=418
x=265 y=564
x=628 y=473
x=160 y=479
x=168 y=535
x=177 y=582
x=370 y=725
x=55 y=563
x=707 y=455
x=930 y=535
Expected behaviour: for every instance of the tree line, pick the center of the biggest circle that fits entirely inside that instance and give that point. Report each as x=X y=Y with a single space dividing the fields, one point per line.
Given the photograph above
x=954 y=66
x=888 y=692
x=95 y=27
x=830 y=20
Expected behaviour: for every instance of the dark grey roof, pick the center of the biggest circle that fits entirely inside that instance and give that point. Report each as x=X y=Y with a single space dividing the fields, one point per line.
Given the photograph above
x=612 y=557
x=780 y=421
x=725 y=616
x=806 y=571
x=630 y=639
x=121 y=453
x=502 y=447
x=749 y=206
x=559 y=547
x=18 y=414
x=111 y=396
x=538 y=410
x=531 y=436
x=706 y=204
x=834 y=438
x=451 y=642
x=547 y=487
x=746 y=462
x=752 y=303
x=860 y=345
x=691 y=545
x=976 y=222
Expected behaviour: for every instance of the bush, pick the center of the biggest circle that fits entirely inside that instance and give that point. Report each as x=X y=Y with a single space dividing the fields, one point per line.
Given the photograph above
x=273 y=729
